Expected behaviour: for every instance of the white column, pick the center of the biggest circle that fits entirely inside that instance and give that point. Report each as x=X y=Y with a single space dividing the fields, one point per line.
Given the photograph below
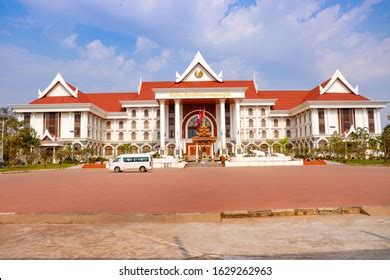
x=162 y=127
x=237 y=124
x=196 y=151
x=223 y=125
x=177 y=127
x=378 y=126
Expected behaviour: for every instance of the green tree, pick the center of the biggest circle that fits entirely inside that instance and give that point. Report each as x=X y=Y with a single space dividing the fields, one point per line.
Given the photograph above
x=61 y=155
x=359 y=142
x=46 y=155
x=127 y=148
x=283 y=142
x=337 y=145
x=385 y=139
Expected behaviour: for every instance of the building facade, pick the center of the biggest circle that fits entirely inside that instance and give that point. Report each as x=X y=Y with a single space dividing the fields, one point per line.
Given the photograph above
x=162 y=116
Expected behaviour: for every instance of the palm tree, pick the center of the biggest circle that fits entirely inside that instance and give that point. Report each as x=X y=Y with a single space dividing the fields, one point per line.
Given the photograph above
x=385 y=137
x=283 y=142
x=126 y=148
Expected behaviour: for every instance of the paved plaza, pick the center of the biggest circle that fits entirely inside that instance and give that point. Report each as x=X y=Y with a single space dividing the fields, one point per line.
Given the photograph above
x=193 y=189
x=305 y=237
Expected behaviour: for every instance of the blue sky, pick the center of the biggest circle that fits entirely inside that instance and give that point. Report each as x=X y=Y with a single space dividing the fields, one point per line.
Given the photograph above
x=108 y=45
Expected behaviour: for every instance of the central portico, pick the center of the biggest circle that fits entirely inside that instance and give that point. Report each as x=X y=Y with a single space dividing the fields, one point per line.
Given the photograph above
x=219 y=100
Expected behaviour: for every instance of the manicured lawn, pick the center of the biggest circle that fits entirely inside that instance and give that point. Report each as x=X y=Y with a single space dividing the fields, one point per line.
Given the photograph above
x=36 y=167
x=365 y=162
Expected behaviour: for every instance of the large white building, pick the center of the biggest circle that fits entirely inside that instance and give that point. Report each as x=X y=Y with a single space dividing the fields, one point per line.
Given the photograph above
x=162 y=116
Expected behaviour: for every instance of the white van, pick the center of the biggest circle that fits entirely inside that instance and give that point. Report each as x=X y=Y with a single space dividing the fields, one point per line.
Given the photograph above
x=141 y=162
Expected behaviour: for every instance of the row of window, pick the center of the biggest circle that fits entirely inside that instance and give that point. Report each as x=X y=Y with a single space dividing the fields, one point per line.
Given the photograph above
x=146 y=113
x=264 y=123
x=264 y=134
x=133 y=136
x=133 y=124
x=250 y=112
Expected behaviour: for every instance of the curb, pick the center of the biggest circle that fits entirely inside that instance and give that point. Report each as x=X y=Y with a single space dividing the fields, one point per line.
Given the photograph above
x=62 y=218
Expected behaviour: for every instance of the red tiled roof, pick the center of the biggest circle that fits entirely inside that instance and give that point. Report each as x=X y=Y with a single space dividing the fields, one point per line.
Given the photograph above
x=286 y=99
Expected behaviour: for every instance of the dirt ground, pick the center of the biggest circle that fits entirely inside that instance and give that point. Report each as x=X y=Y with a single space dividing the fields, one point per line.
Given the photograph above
x=193 y=189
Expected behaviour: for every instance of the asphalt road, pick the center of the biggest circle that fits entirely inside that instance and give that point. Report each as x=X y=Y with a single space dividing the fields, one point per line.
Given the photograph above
x=193 y=189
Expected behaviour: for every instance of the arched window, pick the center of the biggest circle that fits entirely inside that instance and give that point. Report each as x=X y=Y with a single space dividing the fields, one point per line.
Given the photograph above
x=108 y=151
x=276 y=134
x=108 y=136
x=121 y=125
x=251 y=134
x=304 y=118
x=120 y=135
x=146 y=149
x=263 y=123
x=250 y=112
x=276 y=123
x=146 y=113
x=193 y=127
x=158 y=112
x=134 y=149
x=146 y=124
x=263 y=112
x=133 y=136
x=146 y=136
x=133 y=113
x=108 y=125
x=133 y=124
x=288 y=133
x=158 y=124
x=250 y=123
x=120 y=150
x=288 y=122
x=264 y=134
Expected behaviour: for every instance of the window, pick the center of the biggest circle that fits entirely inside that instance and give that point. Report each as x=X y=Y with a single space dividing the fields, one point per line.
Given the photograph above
x=250 y=112
x=133 y=136
x=288 y=124
x=264 y=134
x=133 y=113
x=120 y=135
x=250 y=123
x=108 y=125
x=371 y=121
x=276 y=123
x=304 y=118
x=276 y=134
x=346 y=119
x=321 y=121
x=263 y=112
x=146 y=124
x=158 y=124
x=288 y=133
x=108 y=151
x=146 y=136
x=251 y=134
x=133 y=124
x=158 y=112
x=146 y=113
x=121 y=125
x=108 y=136
x=263 y=123
x=27 y=122
x=77 y=124
x=171 y=121
x=52 y=123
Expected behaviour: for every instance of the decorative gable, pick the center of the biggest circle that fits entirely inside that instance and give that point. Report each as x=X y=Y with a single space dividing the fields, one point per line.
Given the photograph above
x=198 y=70
x=58 y=87
x=47 y=136
x=338 y=84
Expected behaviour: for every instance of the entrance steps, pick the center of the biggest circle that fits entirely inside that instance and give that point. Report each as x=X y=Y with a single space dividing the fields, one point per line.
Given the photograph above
x=204 y=164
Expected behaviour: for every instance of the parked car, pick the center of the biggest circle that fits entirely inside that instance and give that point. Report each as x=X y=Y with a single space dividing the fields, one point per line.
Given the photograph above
x=125 y=162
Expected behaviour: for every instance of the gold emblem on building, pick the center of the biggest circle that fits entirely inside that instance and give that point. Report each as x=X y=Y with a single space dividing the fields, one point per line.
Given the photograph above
x=198 y=73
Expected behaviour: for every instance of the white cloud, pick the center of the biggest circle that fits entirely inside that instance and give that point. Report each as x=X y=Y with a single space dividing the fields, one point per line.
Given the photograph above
x=70 y=41
x=154 y=64
x=97 y=50
x=144 y=44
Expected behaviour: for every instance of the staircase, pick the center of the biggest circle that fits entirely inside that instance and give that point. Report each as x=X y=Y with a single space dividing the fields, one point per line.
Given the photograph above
x=204 y=164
